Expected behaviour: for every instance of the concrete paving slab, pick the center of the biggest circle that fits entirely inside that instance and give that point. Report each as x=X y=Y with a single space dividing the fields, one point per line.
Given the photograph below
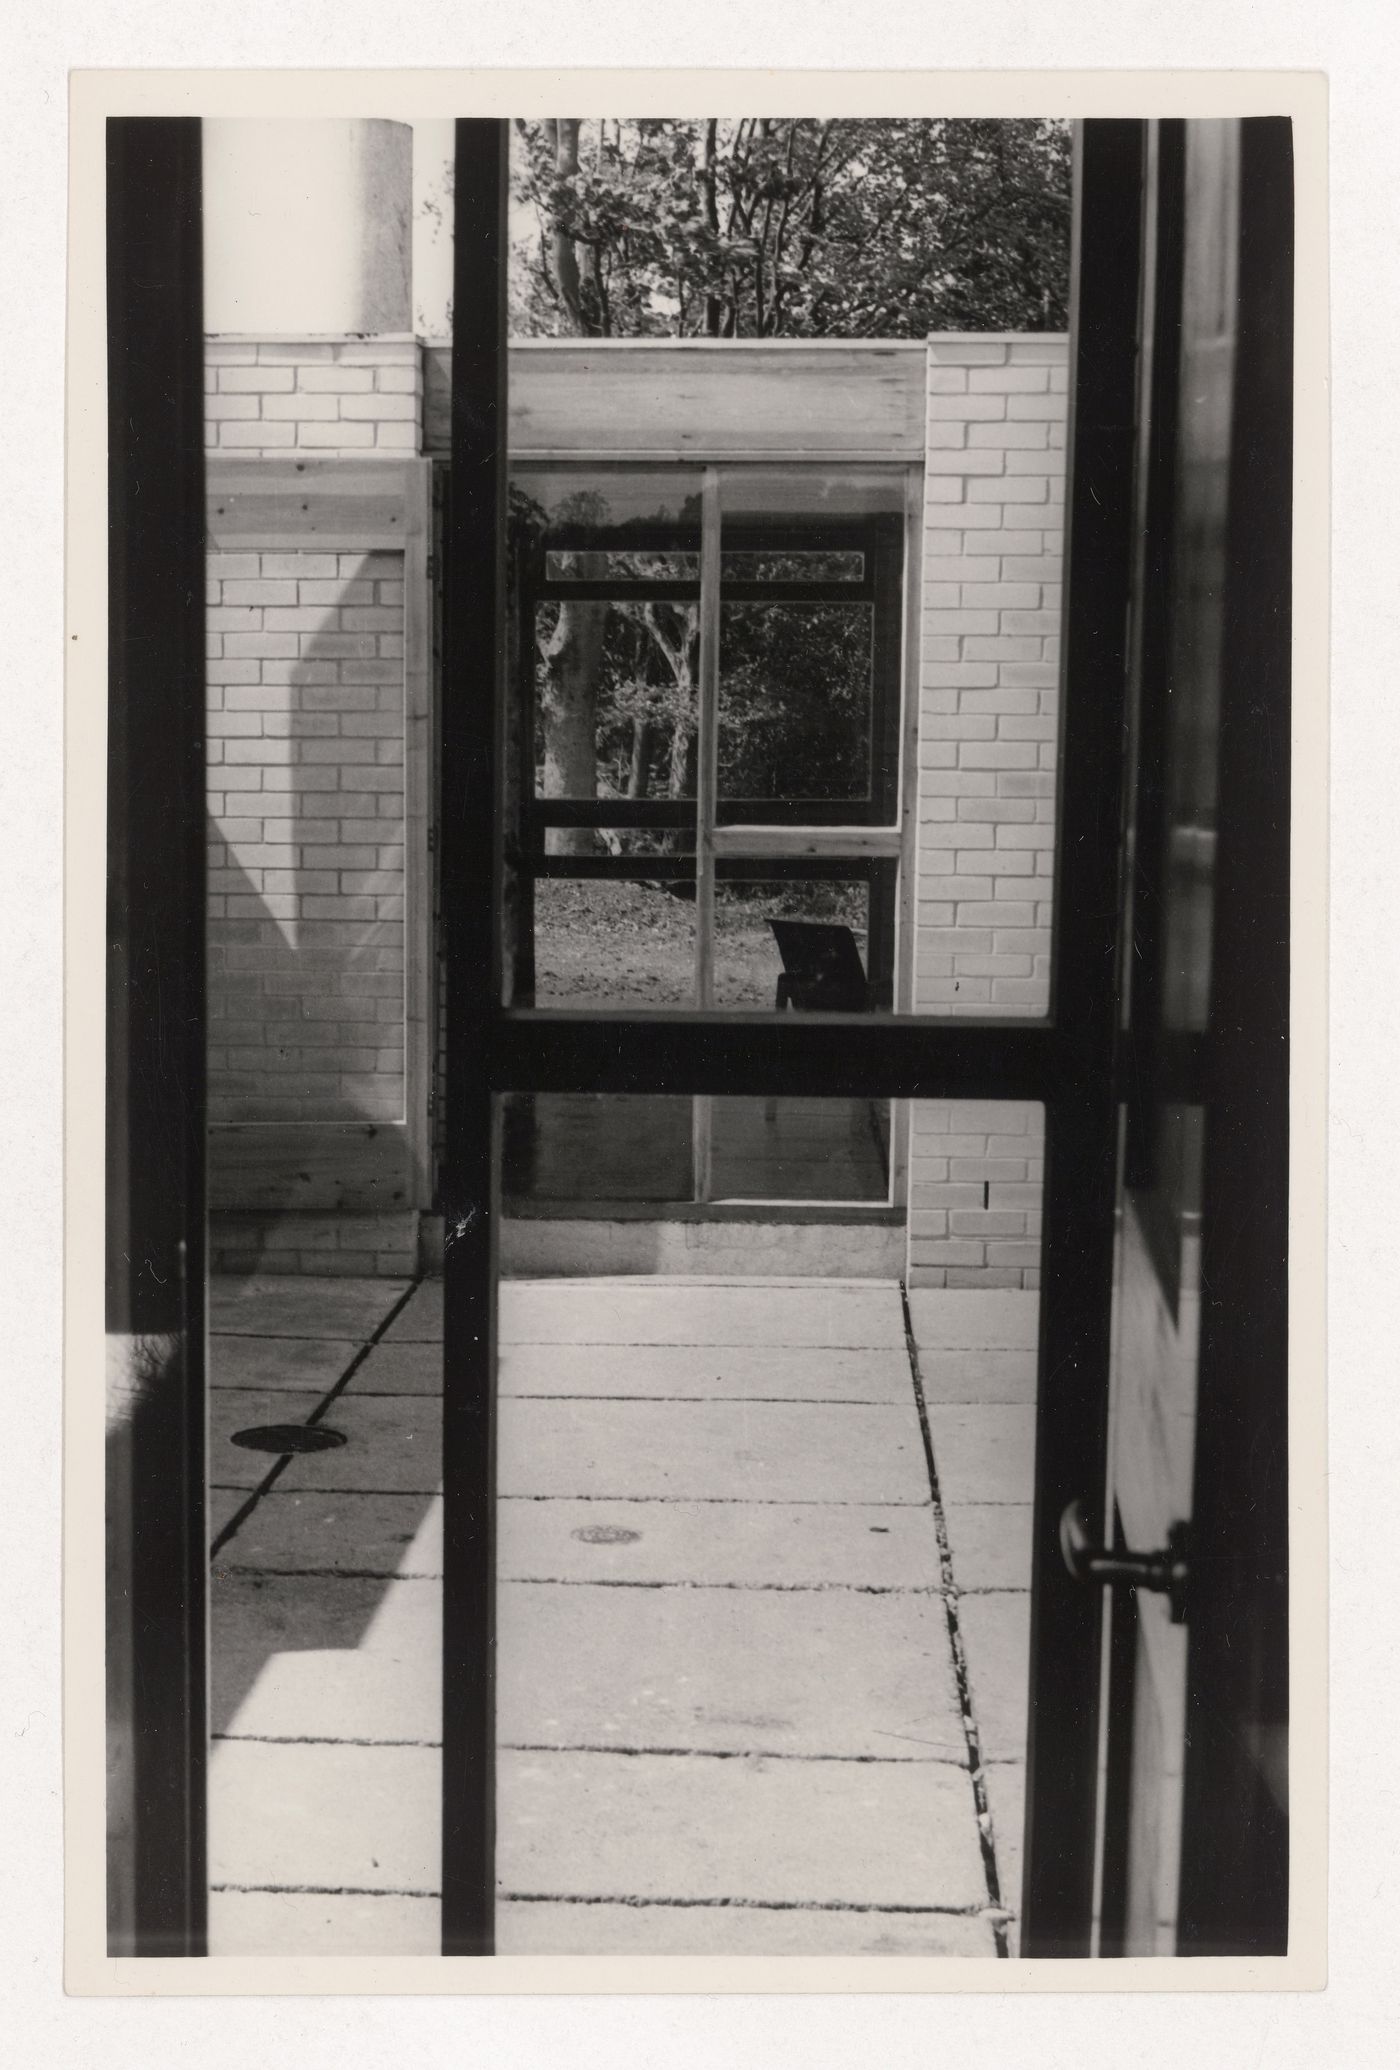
x=222 y=1504
x=978 y=1376
x=326 y=1657
x=409 y=1368
x=688 y=1826
x=339 y=1818
x=649 y=1311
x=308 y=1531
x=392 y=1442
x=703 y=1372
x=799 y=1543
x=279 y=1922
x=294 y=1363
x=245 y=1408
x=1006 y=1800
x=564 y=1929
x=747 y=1670
x=990 y=1543
x=974 y=1318
x=996 y=1632
x=730 y=1451
x=291 y=1306
x=850 y=1313
x=420 y=1319
x=984 y=1453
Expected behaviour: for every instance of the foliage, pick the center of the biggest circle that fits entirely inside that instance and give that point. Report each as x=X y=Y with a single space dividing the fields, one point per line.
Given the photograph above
x=764 y=227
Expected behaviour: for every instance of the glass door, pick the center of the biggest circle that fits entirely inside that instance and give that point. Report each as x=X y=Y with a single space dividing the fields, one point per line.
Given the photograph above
x=682 y=592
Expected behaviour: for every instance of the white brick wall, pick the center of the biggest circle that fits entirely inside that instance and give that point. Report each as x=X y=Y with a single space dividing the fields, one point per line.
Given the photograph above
x=988 y=722
x=306 y=860
x=338 y=398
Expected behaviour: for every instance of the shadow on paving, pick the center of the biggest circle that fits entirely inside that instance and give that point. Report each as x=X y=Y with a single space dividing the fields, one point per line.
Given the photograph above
x=299 y=1592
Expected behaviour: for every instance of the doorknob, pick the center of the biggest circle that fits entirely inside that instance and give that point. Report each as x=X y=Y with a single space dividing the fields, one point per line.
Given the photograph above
x=1165 y=1573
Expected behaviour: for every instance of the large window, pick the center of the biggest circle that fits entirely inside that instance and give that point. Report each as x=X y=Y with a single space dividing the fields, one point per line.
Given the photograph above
x=709 y=672
x=705 y=759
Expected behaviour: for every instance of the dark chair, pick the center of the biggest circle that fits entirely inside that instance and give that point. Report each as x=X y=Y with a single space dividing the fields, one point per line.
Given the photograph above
x=822 y=970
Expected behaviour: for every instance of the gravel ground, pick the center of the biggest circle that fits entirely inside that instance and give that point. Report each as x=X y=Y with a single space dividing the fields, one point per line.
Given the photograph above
x=599 y=944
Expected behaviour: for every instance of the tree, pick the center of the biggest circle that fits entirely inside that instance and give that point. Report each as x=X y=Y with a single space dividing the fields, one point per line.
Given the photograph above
x=765 y=227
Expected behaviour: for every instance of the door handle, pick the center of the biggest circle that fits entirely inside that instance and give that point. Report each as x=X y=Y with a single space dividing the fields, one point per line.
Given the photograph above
x=1164 y=1573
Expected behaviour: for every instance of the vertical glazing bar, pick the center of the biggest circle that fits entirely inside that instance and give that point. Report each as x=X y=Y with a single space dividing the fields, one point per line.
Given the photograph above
x=706 y=802
x=1081 y=1121
x=473 y=693
x=156 y=1541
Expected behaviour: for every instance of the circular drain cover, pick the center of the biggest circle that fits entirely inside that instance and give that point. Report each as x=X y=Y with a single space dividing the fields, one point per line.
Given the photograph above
x=607 y=1534
x=289 y=1437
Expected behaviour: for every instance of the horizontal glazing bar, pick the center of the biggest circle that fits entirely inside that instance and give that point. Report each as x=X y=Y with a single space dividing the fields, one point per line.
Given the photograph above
x=643 y=869
x=767 y=841
x=873 y=1056
x=680 y=812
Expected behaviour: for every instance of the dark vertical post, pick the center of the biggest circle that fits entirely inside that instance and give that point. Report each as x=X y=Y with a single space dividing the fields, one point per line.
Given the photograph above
x=1234 y=1870
x=1077 y=1259
x=473 y=691
x=155 y=1309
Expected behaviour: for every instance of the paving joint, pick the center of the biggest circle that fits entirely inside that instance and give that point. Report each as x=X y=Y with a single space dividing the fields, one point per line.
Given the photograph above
x=723 y=1501
x=957 y=1649
x=933 y=1760
x=741 y=1904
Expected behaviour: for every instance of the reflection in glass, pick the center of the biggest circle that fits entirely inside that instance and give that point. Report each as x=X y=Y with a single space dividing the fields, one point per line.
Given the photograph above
x=581 y=506
x=797 y=564
x=772 y=496
x=570 y=565
x=800 y=1150
x=583 y=1152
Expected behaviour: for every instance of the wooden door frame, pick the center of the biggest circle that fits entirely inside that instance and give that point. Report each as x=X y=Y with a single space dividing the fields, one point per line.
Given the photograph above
x=157 y=1560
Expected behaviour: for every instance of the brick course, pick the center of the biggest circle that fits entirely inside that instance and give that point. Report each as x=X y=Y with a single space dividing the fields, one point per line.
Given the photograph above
x=344 y=397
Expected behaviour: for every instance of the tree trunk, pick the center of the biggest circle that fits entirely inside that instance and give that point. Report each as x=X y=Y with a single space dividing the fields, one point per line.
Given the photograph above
x=568 y=707
x=564 y=136
x=641 y=758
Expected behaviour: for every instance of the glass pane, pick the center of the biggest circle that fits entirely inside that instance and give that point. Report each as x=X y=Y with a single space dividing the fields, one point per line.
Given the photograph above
x=795 y=564
x=575 y=565
x=788 y=1149
x=603 y=943
x=567 y=506
x=582 y=1155
x=615 y=701
x=797 y=943
x=777 y=495
x=562 y=1149
x=795 y=700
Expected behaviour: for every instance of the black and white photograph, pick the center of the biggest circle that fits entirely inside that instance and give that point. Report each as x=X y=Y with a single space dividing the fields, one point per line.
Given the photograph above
x=700 y=886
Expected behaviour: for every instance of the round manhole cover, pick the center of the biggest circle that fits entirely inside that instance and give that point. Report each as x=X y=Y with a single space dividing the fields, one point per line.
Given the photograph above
x=607 y=1534
x=289 y=1437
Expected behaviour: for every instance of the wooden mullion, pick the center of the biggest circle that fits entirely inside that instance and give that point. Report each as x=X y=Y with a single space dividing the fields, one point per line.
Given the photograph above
x=759 y=841
x=707 y=740
x=707 y=791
